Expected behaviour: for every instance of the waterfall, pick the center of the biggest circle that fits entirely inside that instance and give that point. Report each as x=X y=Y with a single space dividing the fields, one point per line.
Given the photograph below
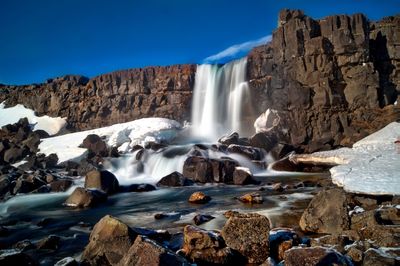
x=220 y=93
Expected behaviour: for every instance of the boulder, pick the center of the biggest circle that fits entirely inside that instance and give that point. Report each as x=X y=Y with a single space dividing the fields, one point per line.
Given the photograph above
x=326 y=213
x=199 y=198
x=379 y=257
x=205 y=248
x=243 y=176
x=137 y=188
x=314 y=256
x=51 y=242
x=102 y=180
x=109 y=241
x=146 y=252
x=198 y=169
x=82 y=198
x=60 y=185
x=248 y=234
x=95 y=145
x=174 y=179
x=264 y=141
x=247 y=151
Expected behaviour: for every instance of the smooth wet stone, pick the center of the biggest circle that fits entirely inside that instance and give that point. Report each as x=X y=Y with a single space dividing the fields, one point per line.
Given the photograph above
x=60 y=185
x=51 y=242
x=253 y=197
x=102 y=180
x=109 y=242
x=248 y=234
x=174 y=179
x=199 y=198
x=201 y=219
x=82 y=198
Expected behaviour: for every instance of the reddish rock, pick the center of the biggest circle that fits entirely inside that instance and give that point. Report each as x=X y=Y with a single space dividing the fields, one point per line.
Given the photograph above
x=199 y=198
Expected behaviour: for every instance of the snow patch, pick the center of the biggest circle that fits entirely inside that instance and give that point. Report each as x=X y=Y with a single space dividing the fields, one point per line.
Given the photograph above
x=124 y=136
x=11 y=115
x=372 y=166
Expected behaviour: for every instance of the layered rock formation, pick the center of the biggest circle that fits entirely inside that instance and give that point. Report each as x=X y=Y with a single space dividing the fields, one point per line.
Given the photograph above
x=331 y=81
x=110 y=98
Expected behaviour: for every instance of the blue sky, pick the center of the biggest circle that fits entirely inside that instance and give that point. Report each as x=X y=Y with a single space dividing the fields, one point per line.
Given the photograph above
x=40 y=39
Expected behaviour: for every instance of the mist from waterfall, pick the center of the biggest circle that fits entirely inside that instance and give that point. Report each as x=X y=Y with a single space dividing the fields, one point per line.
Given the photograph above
x=220 y=93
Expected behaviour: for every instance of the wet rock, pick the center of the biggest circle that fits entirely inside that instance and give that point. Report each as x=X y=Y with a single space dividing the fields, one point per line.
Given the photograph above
x=249 y=152
x=285 y=164
x=233 y=138
x=145 y=252
x=82 y=198
x=278 y=187
x=253 y=197
x=68 y=261
x=45 y=222
x=198 y=169
x=378 y=257
x=174 y=179
x=14 y=155
x=159 y=216
x=248 y=234
x=264 y=141
x=314 y=256
x=280 y=240
x=61 y=185
x=95 y=145
x=201 y=219
x=205 y=248
x=355 y=254
x=243 y=176
x=223 y=169
x=336 y=242
x=366 y=203
x=137 y=188
x=102 y=180
x=326 y=213
x=51 y=242
x=24 y=245
x=109 y=241
x=16 y=258
x=199 y=198
x=85 y=167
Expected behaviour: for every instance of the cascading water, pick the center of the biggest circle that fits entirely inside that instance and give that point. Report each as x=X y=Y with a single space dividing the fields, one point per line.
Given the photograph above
x=220 y=93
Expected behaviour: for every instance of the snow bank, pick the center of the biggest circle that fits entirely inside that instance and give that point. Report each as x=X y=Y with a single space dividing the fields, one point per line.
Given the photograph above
x=372 y=166
x=11 y=115
x=127 y=134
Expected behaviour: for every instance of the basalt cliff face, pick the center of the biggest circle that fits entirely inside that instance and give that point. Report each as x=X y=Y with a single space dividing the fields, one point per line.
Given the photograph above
x=330 y=81
x=110 y=98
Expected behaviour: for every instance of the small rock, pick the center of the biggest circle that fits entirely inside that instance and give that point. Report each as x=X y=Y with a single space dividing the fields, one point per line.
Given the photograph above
x=60 y=185
x=335 y=241
x=254 y=197
x=278 y=187
x=355 y=254
x=51 y=242
x=82 y=197
x=102 y=180
x=24 y=245
x=159 y=216
x=201 y=219
x=137 y=188
x=199 y=198
x=243 y=176
x=174 y=179
x=247 y=151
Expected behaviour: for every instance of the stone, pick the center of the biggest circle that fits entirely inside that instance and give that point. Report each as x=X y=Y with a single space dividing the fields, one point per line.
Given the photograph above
x=102 y=180
x=95 y=145
x=13 y=155
x=198 y=169
x=379 y=258
x=199 y=198
x=248 y=234
x=243 y=176
x=251 y=198
x=314 y=256
x=16 y=258
x=60 y=185
x=249 y=152
x=326 y=213
x=51 y=242
x=355 y=254
x=264 y=141
x=109 y=241
x=280 y=240
x=82 y=198
x=137 y=188
x=145 y=252
x=205 y=248
x=174 y=179
x=201 y=219
x=336 y=242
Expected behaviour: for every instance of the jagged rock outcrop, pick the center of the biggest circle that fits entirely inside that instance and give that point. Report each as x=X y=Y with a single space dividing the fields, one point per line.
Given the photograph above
x=112 y=98
x=331 y=81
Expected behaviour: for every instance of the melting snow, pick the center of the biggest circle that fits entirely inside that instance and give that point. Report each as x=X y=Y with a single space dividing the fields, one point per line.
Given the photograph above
x=11 y=115
x=372 y=166
x=127 y=134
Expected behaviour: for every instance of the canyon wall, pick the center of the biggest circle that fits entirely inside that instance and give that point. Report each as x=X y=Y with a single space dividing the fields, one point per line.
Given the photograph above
x=332 y=81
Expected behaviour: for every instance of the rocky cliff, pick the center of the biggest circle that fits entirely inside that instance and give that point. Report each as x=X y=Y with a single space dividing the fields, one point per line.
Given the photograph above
x=330 y=81
x=110 y=98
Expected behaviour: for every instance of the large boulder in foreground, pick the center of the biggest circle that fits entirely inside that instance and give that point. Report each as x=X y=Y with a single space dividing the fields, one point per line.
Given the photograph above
x=102 y=180
x=314 y=256
x=146 y=252
x=109 y=241
x=248 y=234
x=326 y=213
x=205 y=248
x=82 y=198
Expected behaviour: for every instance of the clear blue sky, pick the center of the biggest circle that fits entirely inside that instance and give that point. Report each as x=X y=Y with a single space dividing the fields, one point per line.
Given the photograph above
x=40 y=39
